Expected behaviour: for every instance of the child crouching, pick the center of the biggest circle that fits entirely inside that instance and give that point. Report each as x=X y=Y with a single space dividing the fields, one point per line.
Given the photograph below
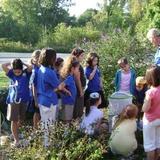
x=123 y=140
x=91 y=122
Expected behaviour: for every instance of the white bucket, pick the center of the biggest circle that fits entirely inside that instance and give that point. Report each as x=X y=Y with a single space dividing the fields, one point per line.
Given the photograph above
x=118 y=101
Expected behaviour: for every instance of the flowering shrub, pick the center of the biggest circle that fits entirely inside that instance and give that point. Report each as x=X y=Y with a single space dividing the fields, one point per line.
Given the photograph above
x=66 y=143
x=119 y=45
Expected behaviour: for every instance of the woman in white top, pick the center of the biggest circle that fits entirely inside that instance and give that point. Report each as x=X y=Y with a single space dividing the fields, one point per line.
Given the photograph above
x=123 y=140
x=92 y=119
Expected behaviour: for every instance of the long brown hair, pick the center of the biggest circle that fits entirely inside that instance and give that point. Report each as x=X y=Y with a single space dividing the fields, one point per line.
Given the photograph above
x=90 y=58
x=47 y=57
x=153 y=76
x=77 y=52
x=130 y=112
x=69 y=62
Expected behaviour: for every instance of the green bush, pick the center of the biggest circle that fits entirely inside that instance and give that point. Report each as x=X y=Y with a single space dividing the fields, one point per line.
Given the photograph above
x=11 y=46
x=114 y=47
x=67 y=143
x=64 y=38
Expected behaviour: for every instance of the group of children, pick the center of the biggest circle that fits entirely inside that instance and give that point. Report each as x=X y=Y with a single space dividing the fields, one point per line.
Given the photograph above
x=146 y=93
x=54 y=87
x=59 y=89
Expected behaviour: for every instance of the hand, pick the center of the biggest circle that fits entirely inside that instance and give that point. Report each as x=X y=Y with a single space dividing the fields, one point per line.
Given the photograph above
x=81 y=94
x=95 y=67
x=36 y=105
x=68 y=92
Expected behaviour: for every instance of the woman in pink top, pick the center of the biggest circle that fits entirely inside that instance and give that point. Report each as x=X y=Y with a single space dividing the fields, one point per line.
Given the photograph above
x=151 y=118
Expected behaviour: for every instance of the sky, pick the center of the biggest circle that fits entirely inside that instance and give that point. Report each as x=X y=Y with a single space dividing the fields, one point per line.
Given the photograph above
x=82 y=5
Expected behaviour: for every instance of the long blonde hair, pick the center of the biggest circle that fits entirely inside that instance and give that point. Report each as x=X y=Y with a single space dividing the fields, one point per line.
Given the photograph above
x=130 y=112
x=69 y=62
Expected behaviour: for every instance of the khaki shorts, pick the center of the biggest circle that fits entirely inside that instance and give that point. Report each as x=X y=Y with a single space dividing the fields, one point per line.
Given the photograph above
x=16 y=112
x=67 y=112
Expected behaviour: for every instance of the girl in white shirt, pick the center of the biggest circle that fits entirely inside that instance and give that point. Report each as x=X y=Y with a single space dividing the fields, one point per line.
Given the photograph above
x=92 y=119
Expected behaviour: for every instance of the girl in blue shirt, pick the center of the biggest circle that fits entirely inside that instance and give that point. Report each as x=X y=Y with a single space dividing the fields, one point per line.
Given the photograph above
x=33 y=86
x=58 y=66
x=93 y=75
x=47 y=85
x=18 y=95
x=70 y=68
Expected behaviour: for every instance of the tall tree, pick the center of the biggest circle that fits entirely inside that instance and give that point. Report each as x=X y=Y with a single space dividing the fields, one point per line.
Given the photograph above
x=33 y=15
x=86 y=16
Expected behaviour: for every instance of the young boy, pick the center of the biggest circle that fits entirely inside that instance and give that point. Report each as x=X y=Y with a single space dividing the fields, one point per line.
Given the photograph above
x=18 y=95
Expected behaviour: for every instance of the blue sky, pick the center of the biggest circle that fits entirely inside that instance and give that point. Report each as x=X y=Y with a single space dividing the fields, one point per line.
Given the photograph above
x=81 y=5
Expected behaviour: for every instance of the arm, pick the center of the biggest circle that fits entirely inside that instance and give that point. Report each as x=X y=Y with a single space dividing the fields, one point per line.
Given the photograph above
x=29 y=67
x=61 y=87
x=116 y=81
x=101 y=83
x=35 y=95
x=91 y=76
x=147 y=104
x=6 y=67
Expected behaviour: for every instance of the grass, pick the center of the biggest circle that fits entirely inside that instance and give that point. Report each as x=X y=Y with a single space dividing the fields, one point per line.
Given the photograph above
x=3 y=80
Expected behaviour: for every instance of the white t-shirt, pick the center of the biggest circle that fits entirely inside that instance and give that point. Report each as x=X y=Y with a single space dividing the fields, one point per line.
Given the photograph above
x=125 y=82
x=88 y=122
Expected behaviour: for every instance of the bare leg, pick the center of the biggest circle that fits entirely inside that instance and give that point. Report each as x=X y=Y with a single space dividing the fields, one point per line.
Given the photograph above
x=157 y=154
x=36 y=120
x=14 y=129
x=151 y=155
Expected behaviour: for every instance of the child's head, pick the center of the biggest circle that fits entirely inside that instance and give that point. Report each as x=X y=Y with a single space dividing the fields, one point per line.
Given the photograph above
x=123 y=64
x=47 y=57
x=17 y=66
x=78 y=53
x=35 y=57
x=92 y=59
x=140 y=83
x=59 y=63
x=94 y=100
x=130 y=112
x=71 y=66
x=153 y=76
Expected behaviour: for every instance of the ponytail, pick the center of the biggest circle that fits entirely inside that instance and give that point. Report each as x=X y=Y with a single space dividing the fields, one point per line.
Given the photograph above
x=130 y=112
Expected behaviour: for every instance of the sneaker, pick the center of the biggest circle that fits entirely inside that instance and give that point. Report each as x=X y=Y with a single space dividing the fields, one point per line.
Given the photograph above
x=15 y=145
x=21 y=136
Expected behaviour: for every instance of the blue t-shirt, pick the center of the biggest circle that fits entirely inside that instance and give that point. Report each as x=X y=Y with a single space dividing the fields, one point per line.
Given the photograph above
x=33 y=79
x=94 y=84
x=19 y=87
x=46 y=84
x=57 y=73
x=33 y=82
x=71 y=86
x=157 y=57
